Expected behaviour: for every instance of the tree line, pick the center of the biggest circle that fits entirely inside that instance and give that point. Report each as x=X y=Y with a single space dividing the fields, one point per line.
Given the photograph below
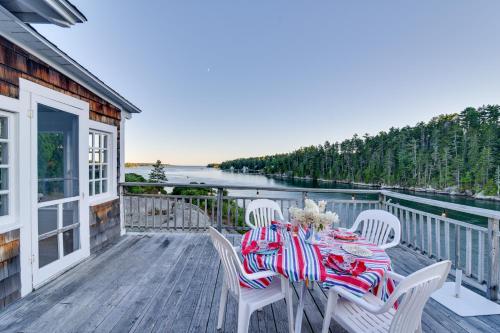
x=459 y=152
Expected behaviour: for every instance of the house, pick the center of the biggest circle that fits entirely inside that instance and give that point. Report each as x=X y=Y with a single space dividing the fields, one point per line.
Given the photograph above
x=61 y=151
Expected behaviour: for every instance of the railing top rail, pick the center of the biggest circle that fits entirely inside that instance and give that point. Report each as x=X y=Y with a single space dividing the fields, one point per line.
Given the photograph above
x=489 y=213
x=260 y=188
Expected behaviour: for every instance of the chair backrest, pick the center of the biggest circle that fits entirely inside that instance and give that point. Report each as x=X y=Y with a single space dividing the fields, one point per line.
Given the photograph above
x=414 y=292
x=230 y=261
x=377 y=226
x=263 y=211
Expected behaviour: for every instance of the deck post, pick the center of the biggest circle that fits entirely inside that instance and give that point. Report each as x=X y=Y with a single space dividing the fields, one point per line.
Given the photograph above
x=220 y=193
x=381 y=200
x=494 y=258
x=304 y=197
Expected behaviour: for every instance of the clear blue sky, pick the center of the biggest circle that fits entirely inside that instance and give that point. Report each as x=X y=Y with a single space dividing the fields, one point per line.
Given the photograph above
x=218 y=80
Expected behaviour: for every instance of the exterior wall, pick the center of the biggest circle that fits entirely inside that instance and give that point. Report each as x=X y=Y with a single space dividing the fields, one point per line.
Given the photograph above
x=10 y=277
x=105 y=225
x=16 y=63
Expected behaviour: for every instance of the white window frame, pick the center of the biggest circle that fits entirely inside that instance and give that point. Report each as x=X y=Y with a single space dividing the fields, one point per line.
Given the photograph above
x=9 y=221
x=111 y=194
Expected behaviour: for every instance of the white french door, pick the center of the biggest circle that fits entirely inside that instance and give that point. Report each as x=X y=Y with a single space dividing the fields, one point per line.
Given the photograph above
x=59 y=167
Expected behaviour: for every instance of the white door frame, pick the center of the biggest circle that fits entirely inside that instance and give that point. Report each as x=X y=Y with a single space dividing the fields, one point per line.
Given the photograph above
x=38 y=94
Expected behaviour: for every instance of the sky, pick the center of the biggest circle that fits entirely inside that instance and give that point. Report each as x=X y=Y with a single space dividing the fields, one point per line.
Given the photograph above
x=218 y=80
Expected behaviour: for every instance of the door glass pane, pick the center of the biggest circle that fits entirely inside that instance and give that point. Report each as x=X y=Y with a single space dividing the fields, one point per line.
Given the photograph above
x=4 y=153
x=47 y=219
x=70 y=213
x=4 y=179
x=57 y=154
x=4 y=134
x=71 y=240
x=4 y=204
x=48 y=250
x=97 y=187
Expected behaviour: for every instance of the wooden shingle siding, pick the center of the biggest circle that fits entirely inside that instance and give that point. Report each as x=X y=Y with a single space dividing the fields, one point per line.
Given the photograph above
x=104 y=223
x=16 y=63
x=10 y=278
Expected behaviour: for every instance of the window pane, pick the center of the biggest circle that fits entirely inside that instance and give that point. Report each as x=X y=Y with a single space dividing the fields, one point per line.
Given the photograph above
x=91 y=142
x=104 y=171
x=97 y=187
x=70 y=213
x=91 y=188
x=47 y=219
x=105 y=156
x=97 y=140
x=97 y=171
x=4 y=134
x=48 y=250
x=4 y=179
x=4 y=153
x=71 y=240
x=91 y=173
x=97 y=157
x=90 y=156
x=105 y=140
x=4 y=204
x=104 y=186
x=58 y=160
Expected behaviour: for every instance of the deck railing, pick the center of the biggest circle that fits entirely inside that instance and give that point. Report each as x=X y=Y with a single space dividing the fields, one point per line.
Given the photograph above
x=471 y=247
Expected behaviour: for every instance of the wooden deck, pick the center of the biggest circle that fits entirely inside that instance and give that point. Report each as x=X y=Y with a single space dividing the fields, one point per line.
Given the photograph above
x=171 y=283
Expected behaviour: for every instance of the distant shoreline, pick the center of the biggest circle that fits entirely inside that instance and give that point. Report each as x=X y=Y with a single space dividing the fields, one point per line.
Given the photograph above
x=429 y=190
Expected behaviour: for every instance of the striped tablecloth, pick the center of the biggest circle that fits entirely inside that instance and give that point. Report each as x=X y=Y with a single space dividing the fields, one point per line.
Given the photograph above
x=298 y=261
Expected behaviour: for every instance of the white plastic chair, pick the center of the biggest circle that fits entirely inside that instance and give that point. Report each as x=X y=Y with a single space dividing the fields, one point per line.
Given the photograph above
x=377 y=226
x=370 y=314
x=263 y=212
x=249 y=300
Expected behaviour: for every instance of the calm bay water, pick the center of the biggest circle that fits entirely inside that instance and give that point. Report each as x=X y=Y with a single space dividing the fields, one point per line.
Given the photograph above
x=187 y=174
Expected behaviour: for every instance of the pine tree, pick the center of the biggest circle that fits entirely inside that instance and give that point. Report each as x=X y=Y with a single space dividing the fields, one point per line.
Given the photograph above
x=157 y=174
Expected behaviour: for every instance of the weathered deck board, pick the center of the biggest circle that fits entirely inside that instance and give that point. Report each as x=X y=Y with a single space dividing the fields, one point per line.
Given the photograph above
x=171 y=283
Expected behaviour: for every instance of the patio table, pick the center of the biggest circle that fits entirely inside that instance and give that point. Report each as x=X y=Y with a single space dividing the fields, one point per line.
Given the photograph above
x=300 y=261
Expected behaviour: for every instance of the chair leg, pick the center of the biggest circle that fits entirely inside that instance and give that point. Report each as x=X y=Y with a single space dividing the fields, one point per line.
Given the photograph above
x=330 y=305
x=243 y=317
x=289 y=306
x=222 y=306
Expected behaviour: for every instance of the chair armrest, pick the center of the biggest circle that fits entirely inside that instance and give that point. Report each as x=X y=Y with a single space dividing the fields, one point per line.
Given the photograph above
x=344 y=293
x=395 y=276
x=259 y=275
x=389 y=245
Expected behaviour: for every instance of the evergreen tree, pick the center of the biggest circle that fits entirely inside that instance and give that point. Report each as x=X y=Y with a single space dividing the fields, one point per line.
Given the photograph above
x=460 y=150
x=157 y=174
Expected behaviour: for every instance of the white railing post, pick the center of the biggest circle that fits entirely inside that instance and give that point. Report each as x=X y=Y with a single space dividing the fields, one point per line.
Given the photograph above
x=381 y=200
x=220 y=193
x=304 y=197
x=494 y=258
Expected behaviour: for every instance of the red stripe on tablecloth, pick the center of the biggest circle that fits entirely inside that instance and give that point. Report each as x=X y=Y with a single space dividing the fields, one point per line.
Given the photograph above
x=300 y=258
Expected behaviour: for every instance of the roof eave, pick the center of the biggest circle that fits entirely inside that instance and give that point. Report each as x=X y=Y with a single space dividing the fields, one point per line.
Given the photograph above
x=115 y=98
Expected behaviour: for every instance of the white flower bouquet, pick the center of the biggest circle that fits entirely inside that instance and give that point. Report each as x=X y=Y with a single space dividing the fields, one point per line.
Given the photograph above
x=313 y=215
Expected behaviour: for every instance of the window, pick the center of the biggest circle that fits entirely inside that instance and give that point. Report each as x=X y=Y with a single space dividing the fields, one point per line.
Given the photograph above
x=99 y=162
x=6 y=168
